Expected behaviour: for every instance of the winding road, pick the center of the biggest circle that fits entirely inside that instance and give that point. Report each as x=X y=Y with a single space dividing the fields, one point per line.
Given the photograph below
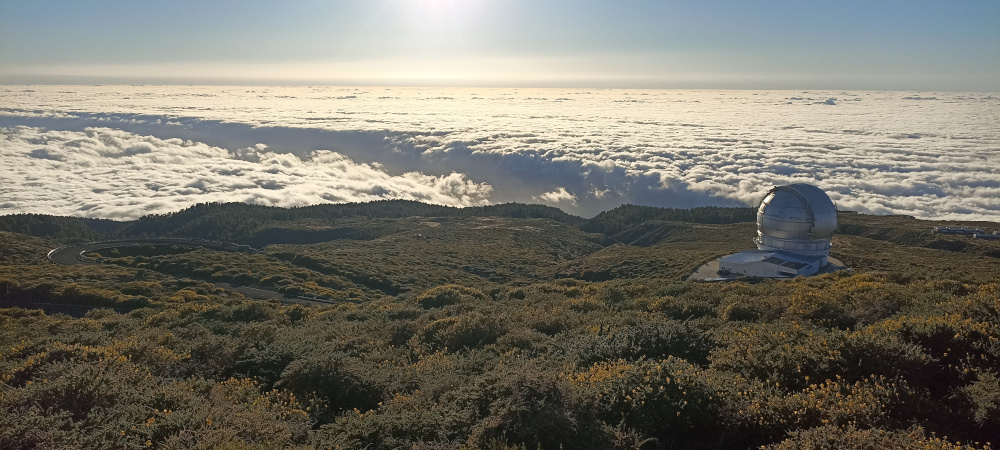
x=72 y=254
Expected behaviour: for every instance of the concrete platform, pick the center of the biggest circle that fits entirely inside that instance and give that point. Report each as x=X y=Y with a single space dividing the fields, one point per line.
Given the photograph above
x=709 y=271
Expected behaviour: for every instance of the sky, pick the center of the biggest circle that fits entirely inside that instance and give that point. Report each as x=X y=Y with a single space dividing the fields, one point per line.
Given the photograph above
x=712 y=44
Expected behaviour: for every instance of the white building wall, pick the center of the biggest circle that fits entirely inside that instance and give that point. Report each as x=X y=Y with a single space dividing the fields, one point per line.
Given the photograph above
x=768 y=270
x=754 y=269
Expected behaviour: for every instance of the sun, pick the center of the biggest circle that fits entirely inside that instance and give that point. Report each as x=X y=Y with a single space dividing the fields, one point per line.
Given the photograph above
x=461 y=11
x=439 y=23
x=435 y=6
x=438 y=5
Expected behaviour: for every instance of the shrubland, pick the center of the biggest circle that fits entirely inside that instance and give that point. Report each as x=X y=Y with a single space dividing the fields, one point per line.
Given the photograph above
x=503 y=332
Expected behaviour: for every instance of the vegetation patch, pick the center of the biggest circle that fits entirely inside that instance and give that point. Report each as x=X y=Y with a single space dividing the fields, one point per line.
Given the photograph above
x=510 y=327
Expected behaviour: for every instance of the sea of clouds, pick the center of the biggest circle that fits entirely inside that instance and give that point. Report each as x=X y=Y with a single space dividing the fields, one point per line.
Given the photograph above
x=121 y=152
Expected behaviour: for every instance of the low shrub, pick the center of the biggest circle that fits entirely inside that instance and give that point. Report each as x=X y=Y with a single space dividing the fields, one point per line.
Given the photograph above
x=835 y=437
x=471 y=330
x=449 y=294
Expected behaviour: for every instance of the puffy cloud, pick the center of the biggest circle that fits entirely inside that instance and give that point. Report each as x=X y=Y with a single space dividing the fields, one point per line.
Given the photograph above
x=103 y=172
x=557 y=197
x=876 y=152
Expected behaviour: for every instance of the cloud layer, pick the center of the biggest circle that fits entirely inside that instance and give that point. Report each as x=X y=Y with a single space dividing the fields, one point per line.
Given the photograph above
x=125 y=151
x=103 y=172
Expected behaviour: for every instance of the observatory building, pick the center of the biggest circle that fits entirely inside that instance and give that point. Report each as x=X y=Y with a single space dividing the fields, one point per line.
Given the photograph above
x=794 y=227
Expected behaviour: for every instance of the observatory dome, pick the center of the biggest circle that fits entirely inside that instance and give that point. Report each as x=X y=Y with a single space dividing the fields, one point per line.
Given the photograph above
x=796 y=218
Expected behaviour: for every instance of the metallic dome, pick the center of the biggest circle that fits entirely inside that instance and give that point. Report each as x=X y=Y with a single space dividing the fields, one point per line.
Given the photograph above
x=797 y=218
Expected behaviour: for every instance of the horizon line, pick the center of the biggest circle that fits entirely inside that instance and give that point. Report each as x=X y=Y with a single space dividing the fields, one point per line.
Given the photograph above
x=482 y=86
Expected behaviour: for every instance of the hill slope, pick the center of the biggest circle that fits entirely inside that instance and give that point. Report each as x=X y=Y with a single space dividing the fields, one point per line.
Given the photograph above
x=512 y=327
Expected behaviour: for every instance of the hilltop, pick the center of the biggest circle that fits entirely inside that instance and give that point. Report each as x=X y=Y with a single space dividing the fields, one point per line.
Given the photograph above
x=502 y=326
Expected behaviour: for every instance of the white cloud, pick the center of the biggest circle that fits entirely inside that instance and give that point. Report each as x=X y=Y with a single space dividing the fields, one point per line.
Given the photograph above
x=102 y=172
x=557 y=197
x=584 y=151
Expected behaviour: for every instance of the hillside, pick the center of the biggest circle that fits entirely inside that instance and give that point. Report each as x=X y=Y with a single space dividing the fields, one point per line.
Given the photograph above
x=243 y=223
x=502 y=327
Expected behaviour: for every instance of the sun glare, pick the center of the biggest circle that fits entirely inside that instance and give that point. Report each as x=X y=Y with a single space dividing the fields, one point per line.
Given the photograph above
x=435 y=6
x=441 y=12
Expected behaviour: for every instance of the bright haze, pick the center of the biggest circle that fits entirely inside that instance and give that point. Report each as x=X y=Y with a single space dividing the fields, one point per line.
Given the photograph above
x=849 y=44
x=890 y=106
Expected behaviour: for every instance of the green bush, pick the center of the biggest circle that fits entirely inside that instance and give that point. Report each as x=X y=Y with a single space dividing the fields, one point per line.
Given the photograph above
x=669 y=400
x=531 y=408
x=639 y=335
x=337 y=383
x=400 y=423
x=471 y=330
x=787 y=354
x=449 y=294
x=833 y=437
x=94 y=397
